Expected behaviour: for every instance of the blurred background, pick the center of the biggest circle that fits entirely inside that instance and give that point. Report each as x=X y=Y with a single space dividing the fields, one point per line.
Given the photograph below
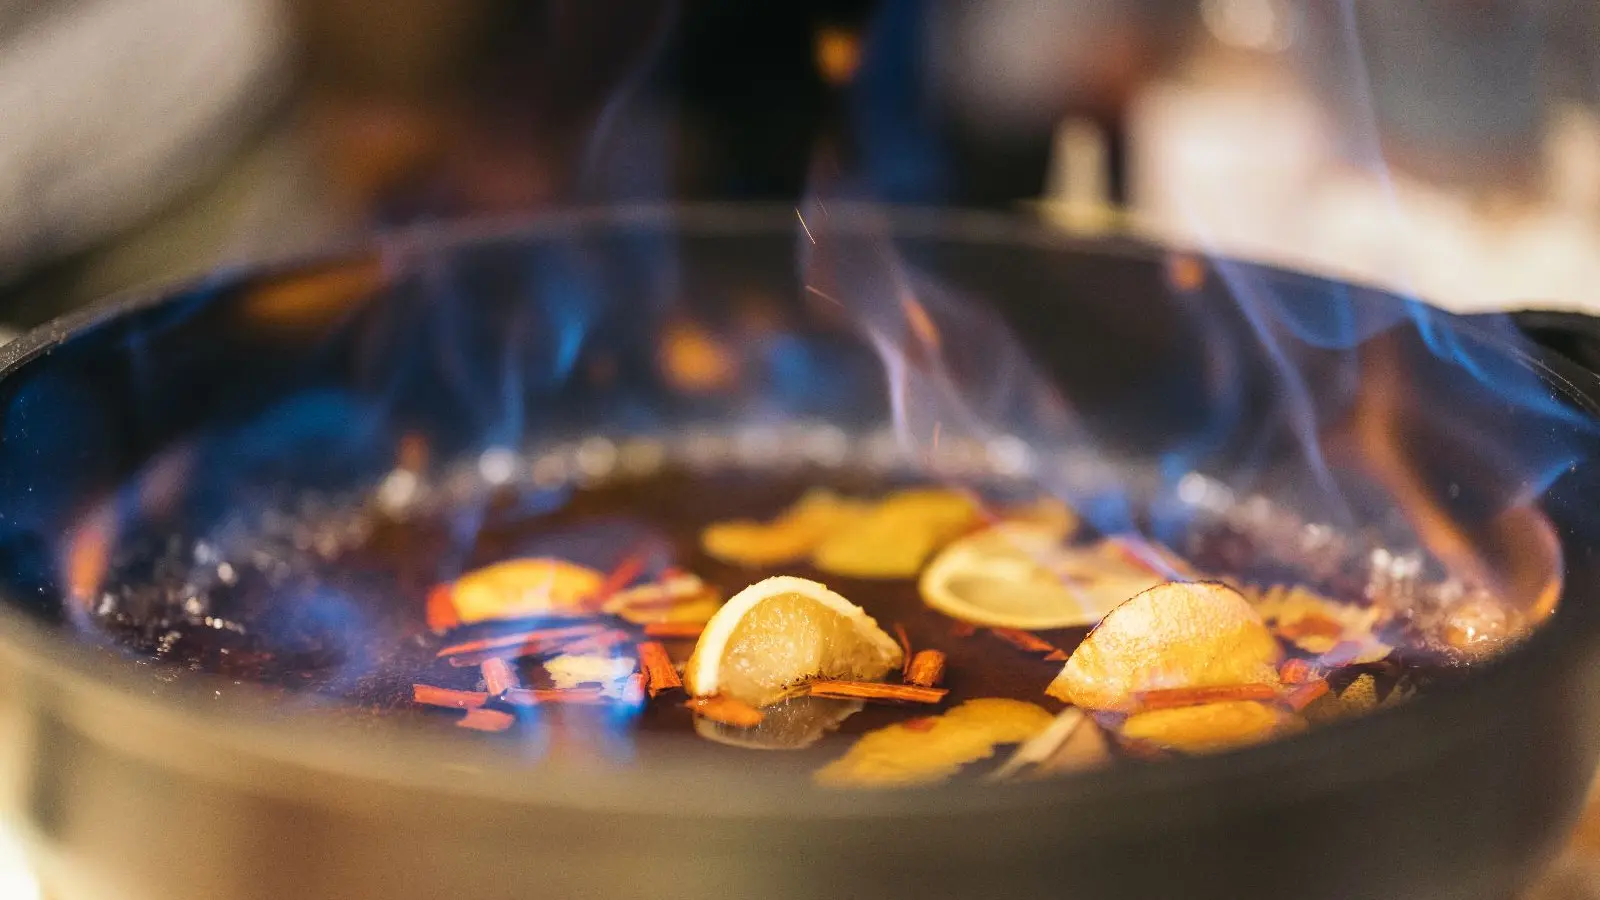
x=1448 y=146
x=1445 y=147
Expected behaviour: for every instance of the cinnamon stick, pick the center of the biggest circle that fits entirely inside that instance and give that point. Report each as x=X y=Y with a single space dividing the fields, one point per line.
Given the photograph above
x=428 y=695
x=875 y=691
x=617 y=579
x=499 y=677
x=659 y=674
x=926 y=669
x=1166 y=698
x=685 y=631
x=1303 y=696
x=534 y=641
x=539 y=696
x=486 y=720
x=1297 y=671
x=594 y=643
x=1026 y=641
x=726 y=710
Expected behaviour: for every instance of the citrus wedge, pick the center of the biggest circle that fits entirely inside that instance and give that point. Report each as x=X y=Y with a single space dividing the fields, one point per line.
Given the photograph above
x=520 y=588
x=1174 y=635
x=898 y=535
x=1017 y=575
x=784 y=630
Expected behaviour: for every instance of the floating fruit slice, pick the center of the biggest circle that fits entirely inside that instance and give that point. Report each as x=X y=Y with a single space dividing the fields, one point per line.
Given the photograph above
x=789 y=537
x=935 y=748
x=1317 y=624
x=1018 y=575
x=779 y=632
x=519 y=588
x=1174 y=635
x=1211 y=727
x=897 y=536
x=680 y=597
x=794 y=724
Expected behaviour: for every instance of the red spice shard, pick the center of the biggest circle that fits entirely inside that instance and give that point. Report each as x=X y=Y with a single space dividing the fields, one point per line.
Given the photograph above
x=674 y=631
x=922 y=723
x=1057 y=656
x=963 y=629
x=726 y=710
x=1303 y=696
x=522 y=643
x=486 y=720
x=1298 y=671
x=428 y=695
x=441 y=610
x=905 y=650
x=1025 y=641
x=875 y=691
x=539 y=697
x=499 y=677
x=657 y=665
x=618 y=578
x=926 y=669
x=1168 y=698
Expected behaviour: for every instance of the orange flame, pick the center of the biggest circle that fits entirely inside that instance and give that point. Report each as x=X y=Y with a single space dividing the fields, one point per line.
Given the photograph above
x=1516 y=554
x=89 y=554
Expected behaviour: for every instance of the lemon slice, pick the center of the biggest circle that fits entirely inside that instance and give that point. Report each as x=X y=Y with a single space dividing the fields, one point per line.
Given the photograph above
x=1017 y=575
x=1175 y=635
x=781 y=631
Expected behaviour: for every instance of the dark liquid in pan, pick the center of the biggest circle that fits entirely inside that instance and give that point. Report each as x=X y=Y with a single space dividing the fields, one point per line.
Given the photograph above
x=343 y=632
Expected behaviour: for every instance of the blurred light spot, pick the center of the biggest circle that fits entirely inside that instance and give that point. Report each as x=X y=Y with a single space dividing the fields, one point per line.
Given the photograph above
x=15 y=880
x=397 y=491
x=496 y=465
x=838 y=55
x=641 y=457
x=1262 y=25
x=1185 y=272
x=694 y=361
x=596 y=457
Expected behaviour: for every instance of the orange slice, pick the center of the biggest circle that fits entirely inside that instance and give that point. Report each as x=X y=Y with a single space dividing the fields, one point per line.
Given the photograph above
x=898 y=535
x=789 y=537
x=933 y=749
x=1018 y=575
x=1174 y=635
x=794 y=724
x=521 y=588
x=780 y=632
x=1211 y=727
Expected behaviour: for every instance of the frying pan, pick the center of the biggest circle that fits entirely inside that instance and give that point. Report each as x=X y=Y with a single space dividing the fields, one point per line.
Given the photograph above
x=127 y=785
